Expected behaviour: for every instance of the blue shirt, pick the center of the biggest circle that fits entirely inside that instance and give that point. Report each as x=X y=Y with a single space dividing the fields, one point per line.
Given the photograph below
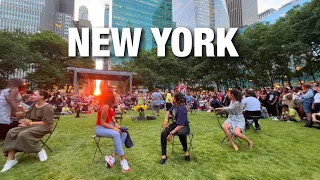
x=181 y=116
x=156 y=98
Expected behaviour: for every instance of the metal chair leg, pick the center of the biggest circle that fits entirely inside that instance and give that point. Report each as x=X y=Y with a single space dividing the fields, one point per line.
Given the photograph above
x=172 y=144
x=224 y=139
x=97 y=147
x=44 y=144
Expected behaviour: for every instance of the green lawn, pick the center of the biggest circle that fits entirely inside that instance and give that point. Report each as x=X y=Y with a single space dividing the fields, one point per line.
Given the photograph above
x=281 y=151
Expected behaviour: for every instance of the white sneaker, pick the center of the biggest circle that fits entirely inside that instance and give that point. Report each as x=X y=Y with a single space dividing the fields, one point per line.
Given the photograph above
x=124 y=165
x=9 y=164
x=42 y=155
x=109 y=161
x=275 y=119
x=113 y=159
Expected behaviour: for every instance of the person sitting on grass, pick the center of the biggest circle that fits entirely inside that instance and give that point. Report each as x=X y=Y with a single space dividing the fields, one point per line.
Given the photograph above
x=66 y=110
x=107 y=127
x=31 y=130
x=316 y=118
x=235 y=122
x=289 y=114
x=264 y=112
x=180 y=126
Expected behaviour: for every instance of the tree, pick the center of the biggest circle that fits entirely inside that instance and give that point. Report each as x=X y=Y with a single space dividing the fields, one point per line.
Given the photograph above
x=14 y=54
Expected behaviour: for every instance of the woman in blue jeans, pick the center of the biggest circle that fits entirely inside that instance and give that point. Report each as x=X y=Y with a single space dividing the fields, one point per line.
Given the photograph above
x=107 y=127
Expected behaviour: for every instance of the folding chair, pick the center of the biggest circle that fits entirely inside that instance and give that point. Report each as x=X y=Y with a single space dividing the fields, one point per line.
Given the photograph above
x=250 y=125
x=56 y=119
x=118 y=116
x=190 y=135
x=97 y=141
x=233 y=136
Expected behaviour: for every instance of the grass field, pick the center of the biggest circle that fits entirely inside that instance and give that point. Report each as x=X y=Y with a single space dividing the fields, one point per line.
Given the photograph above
x=281 y=151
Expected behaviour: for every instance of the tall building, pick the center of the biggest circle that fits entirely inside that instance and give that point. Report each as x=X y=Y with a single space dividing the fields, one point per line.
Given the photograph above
x=200 y=14
x=24 y=15
x=32 y=16
x=242 y=12
x=266 y=13
x=143 y=14
x=272 y=18
x=83 y=13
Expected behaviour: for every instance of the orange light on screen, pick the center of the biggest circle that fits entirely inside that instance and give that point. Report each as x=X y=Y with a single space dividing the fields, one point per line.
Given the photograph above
x=99 y=66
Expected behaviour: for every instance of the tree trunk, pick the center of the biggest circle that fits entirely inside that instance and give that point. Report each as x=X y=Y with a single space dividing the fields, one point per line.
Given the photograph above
x=313 y=77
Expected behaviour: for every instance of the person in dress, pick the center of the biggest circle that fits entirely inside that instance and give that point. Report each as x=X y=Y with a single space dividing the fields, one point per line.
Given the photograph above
x=31 y=130
x=235 y=122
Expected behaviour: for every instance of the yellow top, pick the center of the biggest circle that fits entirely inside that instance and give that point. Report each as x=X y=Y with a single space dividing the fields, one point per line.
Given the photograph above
x=168 y=98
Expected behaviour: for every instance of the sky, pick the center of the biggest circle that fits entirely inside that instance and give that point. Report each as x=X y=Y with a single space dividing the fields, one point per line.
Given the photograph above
x=96 y=8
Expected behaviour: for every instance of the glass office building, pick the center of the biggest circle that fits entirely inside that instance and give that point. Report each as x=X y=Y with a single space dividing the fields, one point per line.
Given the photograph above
x=144 y=14
x=21 y=14
x=200 y=14
x=272 y=18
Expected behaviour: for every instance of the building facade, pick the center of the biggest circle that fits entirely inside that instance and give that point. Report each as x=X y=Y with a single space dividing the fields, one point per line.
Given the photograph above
x=32 y=16
x=24 y=15
x=266 y=13
x=272 y=18
x=83 y=13
x=242 y=12
x=143 y=14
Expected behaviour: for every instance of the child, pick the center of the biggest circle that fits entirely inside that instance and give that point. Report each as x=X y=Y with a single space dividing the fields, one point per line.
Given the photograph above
x=289 y=114
x=264 y=112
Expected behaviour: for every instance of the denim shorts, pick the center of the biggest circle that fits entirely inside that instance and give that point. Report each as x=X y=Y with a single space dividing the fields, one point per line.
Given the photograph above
x=307 y=107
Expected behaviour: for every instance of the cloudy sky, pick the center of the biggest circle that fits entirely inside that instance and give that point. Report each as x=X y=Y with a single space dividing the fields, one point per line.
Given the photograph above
x=96 y=8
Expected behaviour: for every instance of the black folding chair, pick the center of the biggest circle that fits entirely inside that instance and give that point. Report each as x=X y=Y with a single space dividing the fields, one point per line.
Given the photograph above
x=118 y=116
x=97 y=141
x=190 y=135
x=250 y=124
x=217 y=114
x=56 y=119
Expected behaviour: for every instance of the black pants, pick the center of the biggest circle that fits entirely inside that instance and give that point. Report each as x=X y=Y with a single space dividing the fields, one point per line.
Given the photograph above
x=168 y=106
x=182 y=133
x=272 y=109
x=247 y=115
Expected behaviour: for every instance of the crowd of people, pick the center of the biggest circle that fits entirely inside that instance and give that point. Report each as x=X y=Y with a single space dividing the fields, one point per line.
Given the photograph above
x=26 y=117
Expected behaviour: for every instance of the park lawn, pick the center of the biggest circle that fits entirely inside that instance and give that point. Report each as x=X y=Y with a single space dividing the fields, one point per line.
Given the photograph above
x=281 y=151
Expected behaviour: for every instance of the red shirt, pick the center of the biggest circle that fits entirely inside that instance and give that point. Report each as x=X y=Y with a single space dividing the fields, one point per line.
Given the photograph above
x=109 y=118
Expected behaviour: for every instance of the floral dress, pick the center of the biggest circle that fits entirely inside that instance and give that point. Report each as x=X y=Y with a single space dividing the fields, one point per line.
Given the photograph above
x=235 y=117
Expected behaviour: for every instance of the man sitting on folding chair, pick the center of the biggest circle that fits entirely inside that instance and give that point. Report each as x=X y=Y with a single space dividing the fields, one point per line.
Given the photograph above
x=180 y=126
x=235 y=122
x=31 y=130
x=252 y=109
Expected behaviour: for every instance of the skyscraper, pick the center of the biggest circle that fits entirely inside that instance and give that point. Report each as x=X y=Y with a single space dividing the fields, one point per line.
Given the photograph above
x=143 y=14
x=83 y=13
x=24 y=15
x=200 y=13
x=242 y=12
x=32 y=16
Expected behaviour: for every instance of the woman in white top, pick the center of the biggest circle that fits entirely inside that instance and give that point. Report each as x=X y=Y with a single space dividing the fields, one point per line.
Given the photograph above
x=9 y=99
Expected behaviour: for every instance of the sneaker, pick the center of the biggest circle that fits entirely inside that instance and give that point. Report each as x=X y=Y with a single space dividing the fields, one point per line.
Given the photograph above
x=42 y=155
x=275 y=119
x=9 y=164
x=124 y=165
x=109 y=161
x=289 y=121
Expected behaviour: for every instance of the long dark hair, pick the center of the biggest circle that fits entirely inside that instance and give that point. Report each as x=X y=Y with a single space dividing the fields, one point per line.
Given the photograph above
x=179 y=97
x=236 y=94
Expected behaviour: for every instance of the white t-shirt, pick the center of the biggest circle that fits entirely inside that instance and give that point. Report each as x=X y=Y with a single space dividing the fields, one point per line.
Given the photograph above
x=317 y=98
x=251 y=104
